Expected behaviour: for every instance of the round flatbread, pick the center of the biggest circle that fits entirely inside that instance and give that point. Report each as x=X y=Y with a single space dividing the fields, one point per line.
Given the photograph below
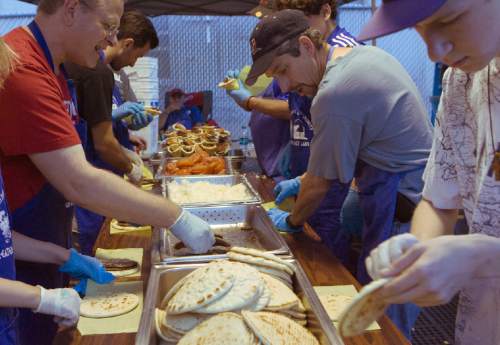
x=108 y=305
x=222 y=329
x=254 y=260
x=246 y=289
x=262 y=254
x=282 y=297
x=364 y=309
x=172 y=291
x=334 y=304
x=163 y=333
x=281 y=276
x=276 y=329
x=203 y=286
x=125 y=273
x=118 y=264
x=183 y=323
x=262 y=301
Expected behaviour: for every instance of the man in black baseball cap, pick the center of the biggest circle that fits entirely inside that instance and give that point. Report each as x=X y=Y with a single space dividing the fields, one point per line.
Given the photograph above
x=269 y=34
x=369 y=123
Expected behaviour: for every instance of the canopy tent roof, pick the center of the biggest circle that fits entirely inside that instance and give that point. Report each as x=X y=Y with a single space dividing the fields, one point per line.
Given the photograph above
x=191 y=7
x=195 y=7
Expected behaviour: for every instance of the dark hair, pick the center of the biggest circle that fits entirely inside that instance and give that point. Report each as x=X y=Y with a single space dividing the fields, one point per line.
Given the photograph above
x=136 y=25
x=309 y=7
x=51 y=6
x=292 y=46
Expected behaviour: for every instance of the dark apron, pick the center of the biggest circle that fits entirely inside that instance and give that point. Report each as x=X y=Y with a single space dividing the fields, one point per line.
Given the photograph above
x=326 y=219
x=46 y=217
x=90 y=223
x=8 y=316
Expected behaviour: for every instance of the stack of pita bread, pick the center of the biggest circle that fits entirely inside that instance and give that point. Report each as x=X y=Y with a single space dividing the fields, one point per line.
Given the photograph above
x=214 y=296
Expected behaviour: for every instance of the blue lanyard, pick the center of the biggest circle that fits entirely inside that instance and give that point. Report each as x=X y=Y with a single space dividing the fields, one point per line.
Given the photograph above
x=35 y=30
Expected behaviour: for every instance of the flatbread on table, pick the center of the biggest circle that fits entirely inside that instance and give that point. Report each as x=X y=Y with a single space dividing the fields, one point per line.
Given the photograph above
x=123 y=226
x=118 y=264
x=276 y=329
x=364 y=309
x=222 y=329
x=202 y=287
x=108 y=305
x=183 y=323
x=335 y=304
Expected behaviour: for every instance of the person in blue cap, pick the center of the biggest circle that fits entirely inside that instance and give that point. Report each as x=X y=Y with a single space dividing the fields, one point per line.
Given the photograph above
x=326 y=221
x=63 y=303
x=431 y=265
x=369 y=124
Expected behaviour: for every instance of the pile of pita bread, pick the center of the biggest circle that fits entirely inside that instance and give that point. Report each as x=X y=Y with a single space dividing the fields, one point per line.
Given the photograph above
x=247 y=300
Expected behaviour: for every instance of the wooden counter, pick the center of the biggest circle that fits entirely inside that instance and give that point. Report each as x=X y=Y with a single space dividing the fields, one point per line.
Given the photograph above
x=320 y=265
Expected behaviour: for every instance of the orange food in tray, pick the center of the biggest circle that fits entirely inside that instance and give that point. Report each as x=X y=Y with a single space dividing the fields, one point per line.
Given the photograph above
x=199 y=163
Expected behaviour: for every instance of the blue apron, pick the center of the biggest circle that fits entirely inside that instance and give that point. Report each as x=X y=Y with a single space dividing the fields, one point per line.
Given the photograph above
x=8 y=316
x=90 y=223
x=47 y=217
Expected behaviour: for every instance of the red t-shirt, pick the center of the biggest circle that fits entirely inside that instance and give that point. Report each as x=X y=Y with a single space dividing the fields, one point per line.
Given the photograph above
x=34 y=118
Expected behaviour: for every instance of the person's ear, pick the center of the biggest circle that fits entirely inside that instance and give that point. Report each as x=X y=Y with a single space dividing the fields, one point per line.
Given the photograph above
x=128 y=43
x=326 y=11
x=307 y=45
x=70 y=8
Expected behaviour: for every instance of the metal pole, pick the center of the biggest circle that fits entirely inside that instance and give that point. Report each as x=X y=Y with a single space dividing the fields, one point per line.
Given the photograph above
x=374 y=7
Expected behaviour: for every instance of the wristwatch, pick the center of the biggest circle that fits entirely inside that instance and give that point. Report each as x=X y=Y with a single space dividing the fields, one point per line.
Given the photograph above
x=289 y=223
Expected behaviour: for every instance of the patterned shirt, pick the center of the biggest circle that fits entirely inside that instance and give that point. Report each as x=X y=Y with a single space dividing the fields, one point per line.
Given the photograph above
x=460 y=175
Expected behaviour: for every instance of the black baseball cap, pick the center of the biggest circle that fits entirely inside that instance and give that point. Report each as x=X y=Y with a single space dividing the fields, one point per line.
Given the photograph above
x=269 y=34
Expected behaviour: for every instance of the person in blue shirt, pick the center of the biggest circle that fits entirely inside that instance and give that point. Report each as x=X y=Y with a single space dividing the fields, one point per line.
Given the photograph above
x=176 y=111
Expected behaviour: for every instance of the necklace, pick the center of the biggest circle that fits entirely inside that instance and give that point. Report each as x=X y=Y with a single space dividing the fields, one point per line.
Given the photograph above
x=495 y=166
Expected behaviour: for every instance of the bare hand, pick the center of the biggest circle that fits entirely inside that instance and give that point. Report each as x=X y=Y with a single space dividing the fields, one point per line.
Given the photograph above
x=138 y=142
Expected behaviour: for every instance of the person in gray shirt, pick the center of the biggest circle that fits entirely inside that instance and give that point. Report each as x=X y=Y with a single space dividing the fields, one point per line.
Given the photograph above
x=369 y=124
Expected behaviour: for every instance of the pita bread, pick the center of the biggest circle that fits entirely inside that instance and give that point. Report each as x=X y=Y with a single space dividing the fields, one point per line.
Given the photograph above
x=124 y=273
x=283 y=276
x=222 y=329
x=262 y=254
x=253 y=260
x=334 y=304
x=262 y=301
x=282 y=297
x=183 y=323
x=276 y=329
x=203 y=286
x=172 y=291
x=363 y=310
x=108 y=305
x=246 y=289
x=160 y=330
x=293 y=314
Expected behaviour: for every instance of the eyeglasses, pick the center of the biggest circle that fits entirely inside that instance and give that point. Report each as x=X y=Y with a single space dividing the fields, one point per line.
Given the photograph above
x=110 y=29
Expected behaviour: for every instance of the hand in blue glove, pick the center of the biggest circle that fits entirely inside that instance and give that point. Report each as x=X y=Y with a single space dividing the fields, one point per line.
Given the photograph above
x=287 y=188
x=82 y=267
x=242 y=94
x=126 y=109
x=81 y=287
x=279 y=220
x=139 y=121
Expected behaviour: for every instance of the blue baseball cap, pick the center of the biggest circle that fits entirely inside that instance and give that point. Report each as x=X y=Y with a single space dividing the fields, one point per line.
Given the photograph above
x=396 y=15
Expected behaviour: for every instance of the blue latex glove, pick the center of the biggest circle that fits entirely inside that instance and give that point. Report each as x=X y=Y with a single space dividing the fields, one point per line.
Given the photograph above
x=139 y=121
x=81 y=287
x=82 y=267
x=126 y=109
x=287 y=188
x=241 y=95
x=279 y=220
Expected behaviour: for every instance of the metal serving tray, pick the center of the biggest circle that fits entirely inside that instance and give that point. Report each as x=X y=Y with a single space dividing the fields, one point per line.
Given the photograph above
x=240 y=225
x=165 y=160
x=163 y=277
x=229 y=180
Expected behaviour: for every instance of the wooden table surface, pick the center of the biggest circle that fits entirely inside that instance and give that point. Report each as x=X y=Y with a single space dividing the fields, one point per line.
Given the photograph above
x=321 y=267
